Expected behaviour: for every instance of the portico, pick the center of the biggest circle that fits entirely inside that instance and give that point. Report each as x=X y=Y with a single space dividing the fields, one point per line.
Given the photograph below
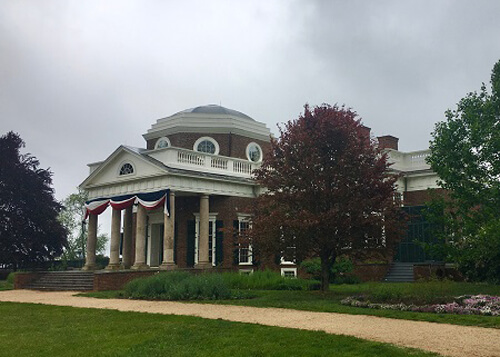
x=150 y=237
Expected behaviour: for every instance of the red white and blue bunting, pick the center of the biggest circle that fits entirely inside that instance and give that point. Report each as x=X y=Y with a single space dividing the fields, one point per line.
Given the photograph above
x=149 y=200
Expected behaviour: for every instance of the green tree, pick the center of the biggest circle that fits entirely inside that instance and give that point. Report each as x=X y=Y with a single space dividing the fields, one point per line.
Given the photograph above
x=465 y=153
x=29 y=230
x=71 y=217
x=329 y=190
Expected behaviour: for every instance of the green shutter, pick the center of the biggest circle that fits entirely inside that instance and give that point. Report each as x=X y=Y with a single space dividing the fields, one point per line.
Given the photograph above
x=219 y=244
x=176 y=236
x=190 y=243
x=236 y=246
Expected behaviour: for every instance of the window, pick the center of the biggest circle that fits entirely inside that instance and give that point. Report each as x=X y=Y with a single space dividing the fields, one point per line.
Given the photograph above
x=207 y=145
x=245 y=248
x=126 y=169
x=254 y=152
x=289 y=272
x=162 y=143
x=212 y=238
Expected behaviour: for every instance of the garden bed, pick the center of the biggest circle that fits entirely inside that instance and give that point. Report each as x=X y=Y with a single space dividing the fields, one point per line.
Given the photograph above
x=463 y=305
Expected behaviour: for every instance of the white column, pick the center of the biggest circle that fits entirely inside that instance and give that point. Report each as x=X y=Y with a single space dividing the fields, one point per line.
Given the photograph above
x=114 y=254
x=140 y=240
x=169 y=236
x=127 y=238
x=203 y=261
x=91 y=243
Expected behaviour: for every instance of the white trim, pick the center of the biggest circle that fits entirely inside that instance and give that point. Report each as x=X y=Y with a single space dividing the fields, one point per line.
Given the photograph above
x=288 y=270
x=248 y=152
x=159 y=140
x=245 y=271
x=212 y=140
x=286 y=262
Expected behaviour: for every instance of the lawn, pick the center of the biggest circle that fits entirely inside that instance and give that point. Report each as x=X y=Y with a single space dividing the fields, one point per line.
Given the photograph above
x=38 y=330
x=425 y=292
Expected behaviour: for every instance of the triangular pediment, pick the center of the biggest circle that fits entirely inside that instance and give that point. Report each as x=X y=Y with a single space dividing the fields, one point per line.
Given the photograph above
x=108 y=172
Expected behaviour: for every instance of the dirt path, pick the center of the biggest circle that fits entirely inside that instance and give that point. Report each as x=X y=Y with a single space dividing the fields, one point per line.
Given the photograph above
x=450 y=340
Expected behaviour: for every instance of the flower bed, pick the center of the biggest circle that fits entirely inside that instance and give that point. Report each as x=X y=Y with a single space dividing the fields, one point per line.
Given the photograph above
x=463 y=305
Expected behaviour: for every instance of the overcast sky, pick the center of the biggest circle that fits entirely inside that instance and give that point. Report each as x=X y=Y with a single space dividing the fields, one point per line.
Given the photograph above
x=79 y=78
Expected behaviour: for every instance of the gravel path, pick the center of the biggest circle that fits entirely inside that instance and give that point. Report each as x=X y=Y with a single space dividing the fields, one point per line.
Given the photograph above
x=449 y=340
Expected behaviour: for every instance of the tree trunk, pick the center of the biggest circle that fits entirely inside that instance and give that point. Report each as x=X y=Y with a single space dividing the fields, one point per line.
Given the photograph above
x=326 y=265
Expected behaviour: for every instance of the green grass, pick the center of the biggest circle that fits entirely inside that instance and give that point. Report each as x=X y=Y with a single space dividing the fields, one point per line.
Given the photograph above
x=38 y=330
x=330 y=301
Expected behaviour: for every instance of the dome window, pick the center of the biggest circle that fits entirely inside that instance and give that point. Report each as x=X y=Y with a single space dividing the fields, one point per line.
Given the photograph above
x=254 y=152
x=126 y=169
x=162 y=143
x=207 y=145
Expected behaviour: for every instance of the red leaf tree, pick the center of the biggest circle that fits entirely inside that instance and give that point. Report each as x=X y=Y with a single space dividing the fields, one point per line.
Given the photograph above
x=329 y=190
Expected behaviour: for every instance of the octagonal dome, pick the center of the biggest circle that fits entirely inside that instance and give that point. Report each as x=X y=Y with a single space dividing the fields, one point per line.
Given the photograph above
x=209 y=119
x=214 y=109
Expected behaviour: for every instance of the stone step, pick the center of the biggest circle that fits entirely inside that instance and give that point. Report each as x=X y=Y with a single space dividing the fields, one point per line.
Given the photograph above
x=400 y=272
x=75 y=280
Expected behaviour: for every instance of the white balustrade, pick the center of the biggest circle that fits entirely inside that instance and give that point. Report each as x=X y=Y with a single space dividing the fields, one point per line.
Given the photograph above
x=242 y=167
x=192 y=160
x=219 y=163
x=409 y=161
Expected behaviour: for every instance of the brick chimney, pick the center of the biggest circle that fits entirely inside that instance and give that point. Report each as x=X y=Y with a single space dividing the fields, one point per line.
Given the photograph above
x=388 y=142
x=365 y=132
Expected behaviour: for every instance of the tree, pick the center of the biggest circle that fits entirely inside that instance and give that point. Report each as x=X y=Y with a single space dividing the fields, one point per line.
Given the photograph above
x=329 y=190
x=29 y=229
x=71 y=217
x=465 y=153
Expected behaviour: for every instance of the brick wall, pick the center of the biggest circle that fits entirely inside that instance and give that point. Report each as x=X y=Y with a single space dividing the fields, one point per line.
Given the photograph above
x=109 y=280
x=226 y=208
x=116 y=280
x=21 y=280
x=420 y=198
x=371 y=272
x=436 y=271
x=231 y=145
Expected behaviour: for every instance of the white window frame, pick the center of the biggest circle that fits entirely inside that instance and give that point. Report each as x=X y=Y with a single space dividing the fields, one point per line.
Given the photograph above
x=248 y=152
x=212 y=140
x=245 y=218
x=123 y=163
x=158 y=143
x=245 y=271
x=212 y=217
x=288 y=270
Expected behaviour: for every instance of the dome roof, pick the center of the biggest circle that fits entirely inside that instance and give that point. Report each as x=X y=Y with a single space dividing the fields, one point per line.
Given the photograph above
x=209 y=119
x=214 y=109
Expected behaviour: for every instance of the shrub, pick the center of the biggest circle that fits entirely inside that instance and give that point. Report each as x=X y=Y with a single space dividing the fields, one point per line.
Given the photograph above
x=179 y=286
x=266 y=280
x=341 y=270
x=10 y=278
